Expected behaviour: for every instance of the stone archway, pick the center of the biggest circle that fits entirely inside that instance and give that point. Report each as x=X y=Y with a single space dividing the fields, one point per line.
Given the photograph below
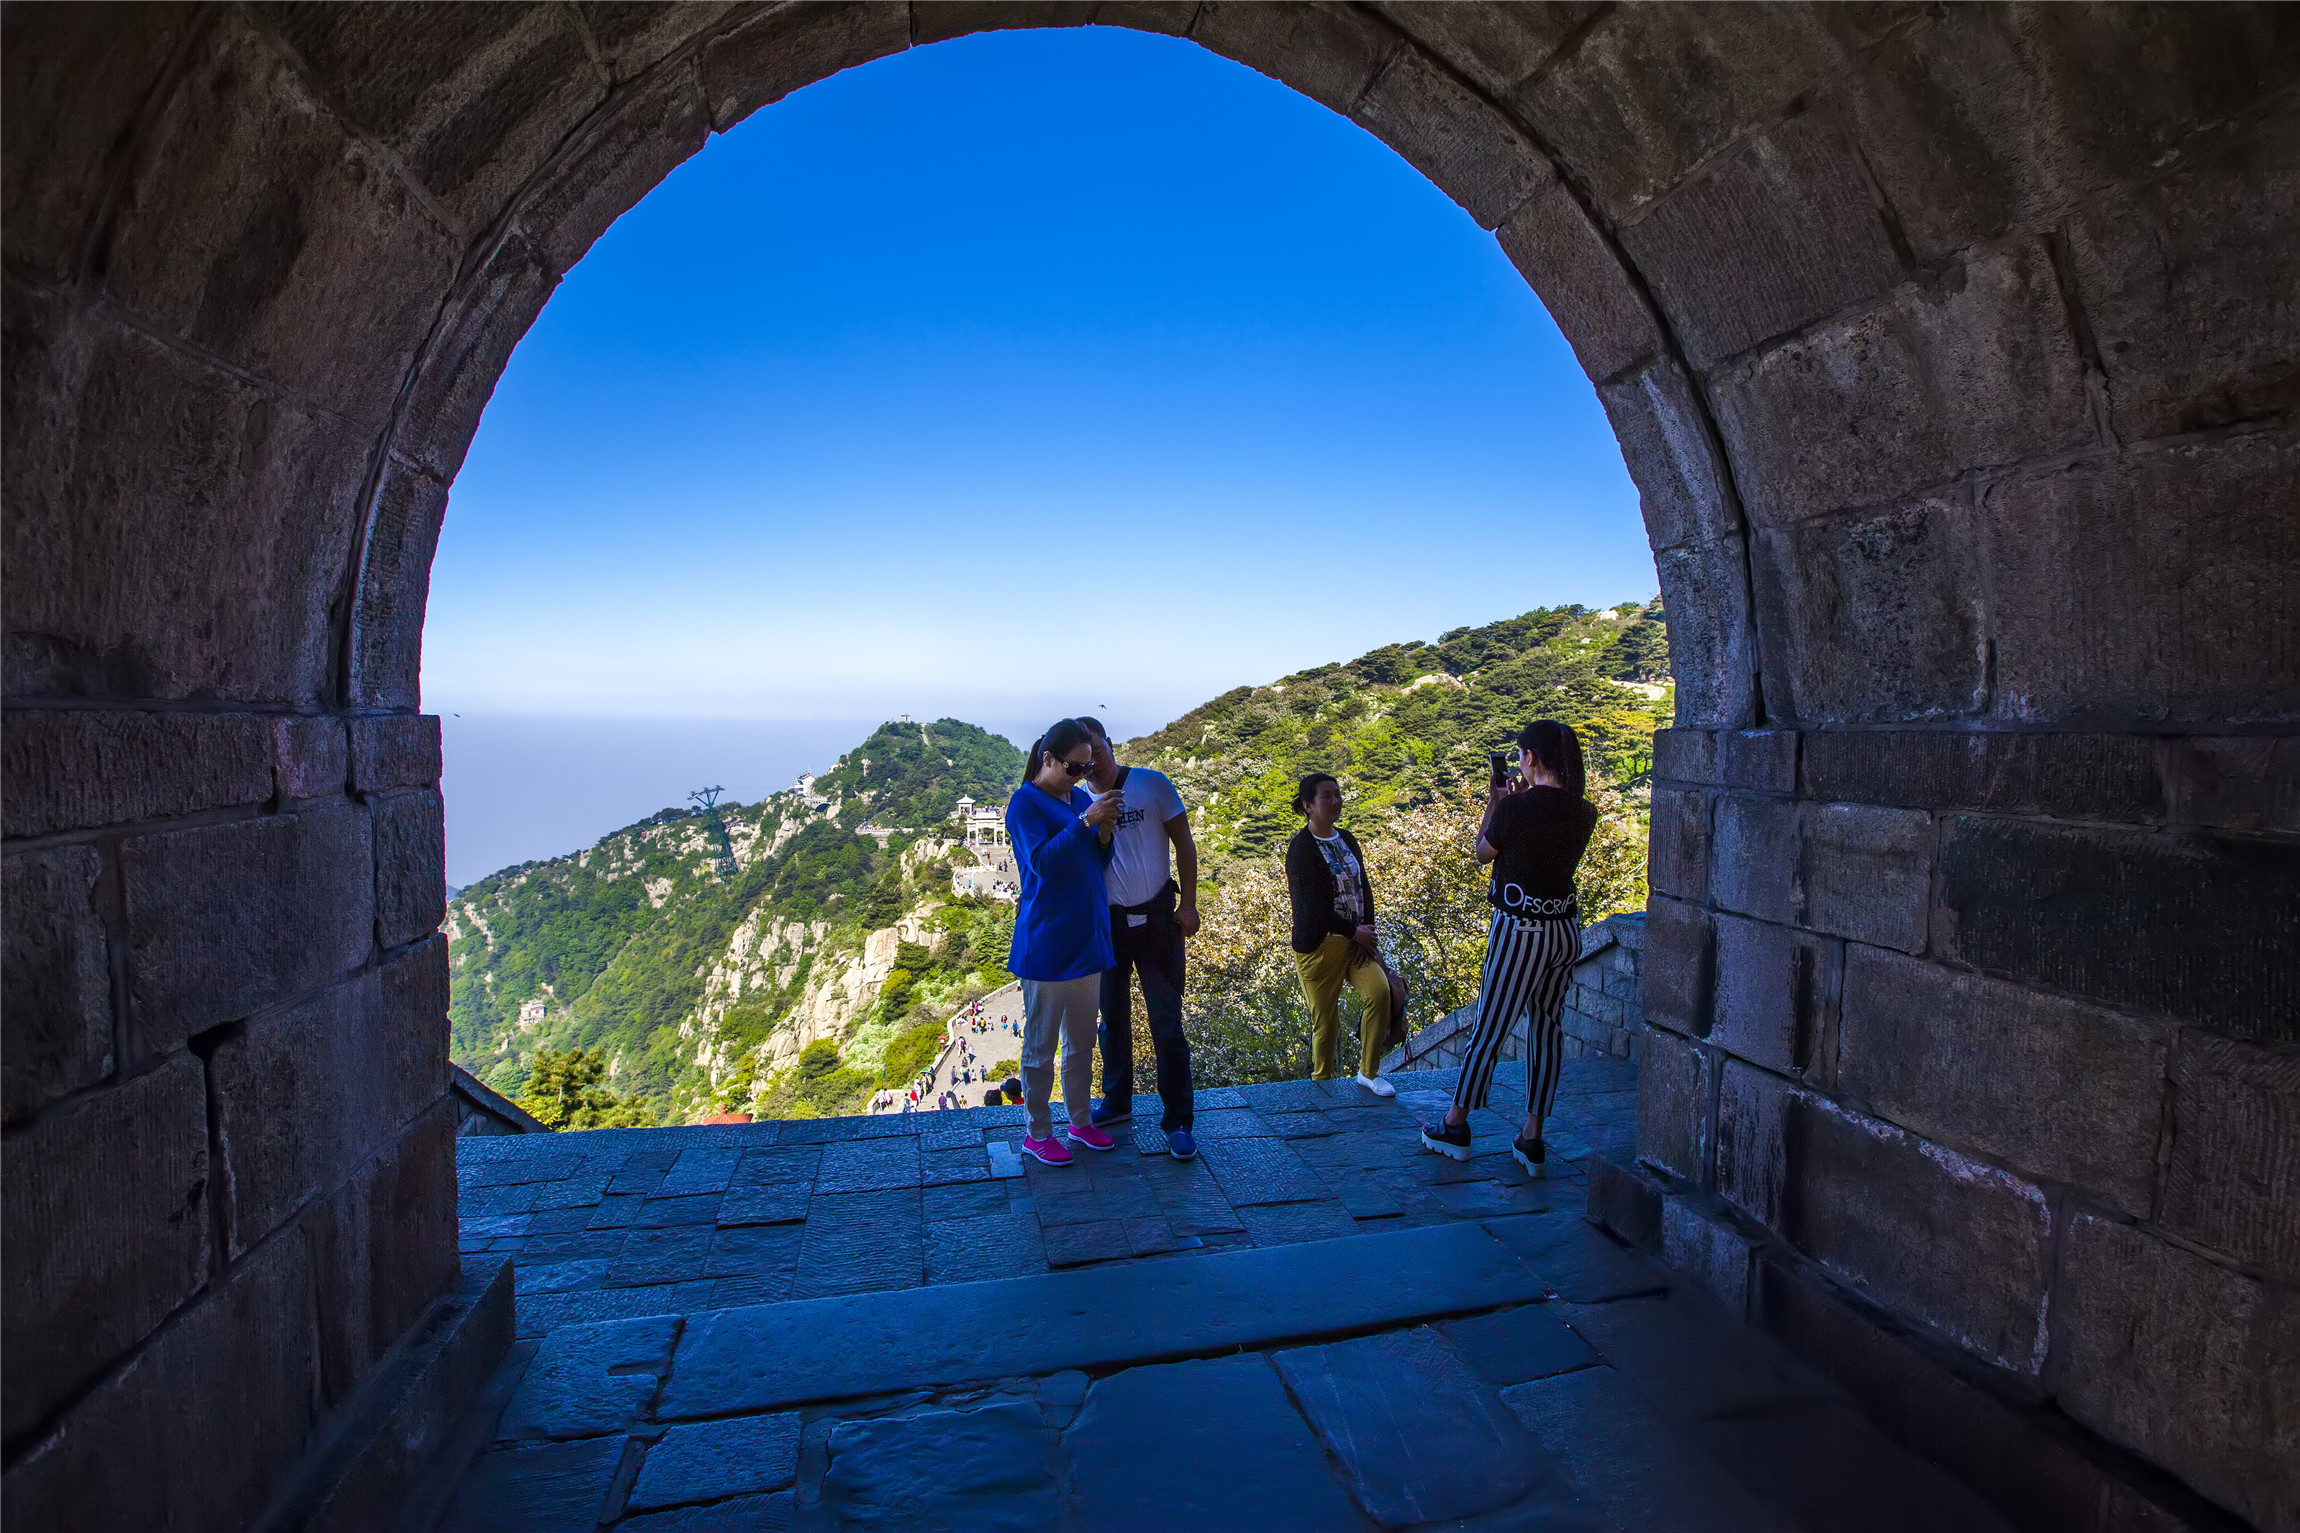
x=1952 y=355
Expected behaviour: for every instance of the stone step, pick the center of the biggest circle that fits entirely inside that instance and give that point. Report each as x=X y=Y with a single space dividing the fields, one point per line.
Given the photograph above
x=777 y=1356
x=1523 y=1373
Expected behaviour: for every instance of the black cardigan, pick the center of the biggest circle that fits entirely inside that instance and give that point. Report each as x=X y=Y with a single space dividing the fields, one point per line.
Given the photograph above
x=1310 y=884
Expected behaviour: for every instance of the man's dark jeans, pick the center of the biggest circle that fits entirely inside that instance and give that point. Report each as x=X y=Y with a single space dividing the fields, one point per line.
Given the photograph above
x=1152 y=950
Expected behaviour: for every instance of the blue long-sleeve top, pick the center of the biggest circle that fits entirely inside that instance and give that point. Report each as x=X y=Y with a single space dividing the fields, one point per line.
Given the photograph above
x=1062 y=927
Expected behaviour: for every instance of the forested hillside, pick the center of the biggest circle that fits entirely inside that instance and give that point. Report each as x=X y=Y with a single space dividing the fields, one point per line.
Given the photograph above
x=621 y=944
x=823 y=967
x=1396 y=724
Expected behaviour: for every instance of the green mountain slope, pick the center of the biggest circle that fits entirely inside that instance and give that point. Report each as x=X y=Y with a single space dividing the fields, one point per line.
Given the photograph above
x=1397 y=724
x=823 y=967
x=615 y=946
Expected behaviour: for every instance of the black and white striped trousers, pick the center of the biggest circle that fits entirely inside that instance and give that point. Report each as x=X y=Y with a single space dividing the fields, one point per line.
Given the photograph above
x=1528 y=964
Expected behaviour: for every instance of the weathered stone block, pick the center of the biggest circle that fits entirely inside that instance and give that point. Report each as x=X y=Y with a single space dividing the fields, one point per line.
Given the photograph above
x=766 y=59
x=1676 y=1081
x=1167 y=18
x=1975 y=370
x=1872 y=617
x=415 y=991
x=1679 y=973
x=1685 y=755
x=226 y=919
x=2196 y=925
x=1776 y=995
x=2180 y=277
x=2189 y=1364
x=1496 y=43
x=1679 y=861
x=2233 y=784
x=190 y=530
x=383 y=1248
x=1753 y=857
x=1794 y=207
x=55 y=981
x=396 y=751
x=2052 y=1087
x=2136 y=590
x=395 y=588
x=213 y=1415
x=1625 y=1201
x=2233 y=1180
x=2093 y=777
x=107 y=1232
x=1866 y=873
x=1982 y=120
x=310 y=756
x=1667 y=441
x=295 y=1110
x=1650 y=92
x=2024 y=1461
x=633 y=34
x=65 y=121
x=410 y=866
x=306 y=1095
x=472 y=107
x=1705 y=592
x=1752 y=1140
x=649 y=134
x=1475 y=155
x=1580 y=280
x=1761 y=759
x=1330 y=53
x=259 y=222
x=84 y=768
x=1712 y=1254
x=1961 y=1246
x=484 y=321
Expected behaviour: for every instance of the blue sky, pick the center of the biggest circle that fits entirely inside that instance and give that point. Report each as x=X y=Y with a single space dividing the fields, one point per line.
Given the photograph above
x=1026 y=373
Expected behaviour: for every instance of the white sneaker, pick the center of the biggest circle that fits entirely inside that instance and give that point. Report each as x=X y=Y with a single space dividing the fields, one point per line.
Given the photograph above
x=1377 y=1086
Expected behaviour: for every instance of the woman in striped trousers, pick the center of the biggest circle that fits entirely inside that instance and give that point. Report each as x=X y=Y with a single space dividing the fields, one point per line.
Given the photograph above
x=1537 y=825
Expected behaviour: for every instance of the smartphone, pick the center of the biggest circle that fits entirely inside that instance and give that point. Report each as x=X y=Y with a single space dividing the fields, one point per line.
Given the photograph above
x=1499 y=762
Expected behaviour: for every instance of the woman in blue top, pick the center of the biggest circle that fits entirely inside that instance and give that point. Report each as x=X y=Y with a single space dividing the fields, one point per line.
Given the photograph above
x=1061 y=836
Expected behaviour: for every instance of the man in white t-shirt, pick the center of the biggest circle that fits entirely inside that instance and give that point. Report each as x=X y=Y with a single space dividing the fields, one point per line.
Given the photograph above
x=1150 y=914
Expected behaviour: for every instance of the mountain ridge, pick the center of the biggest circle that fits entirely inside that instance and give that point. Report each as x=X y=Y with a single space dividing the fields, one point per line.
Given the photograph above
x=839 y=930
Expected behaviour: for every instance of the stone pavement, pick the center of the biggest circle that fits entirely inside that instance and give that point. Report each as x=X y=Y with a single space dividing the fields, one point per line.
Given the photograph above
x=854 y=1323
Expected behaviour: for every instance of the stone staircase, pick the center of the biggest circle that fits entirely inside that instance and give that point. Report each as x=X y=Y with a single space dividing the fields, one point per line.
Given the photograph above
x=855 y=1323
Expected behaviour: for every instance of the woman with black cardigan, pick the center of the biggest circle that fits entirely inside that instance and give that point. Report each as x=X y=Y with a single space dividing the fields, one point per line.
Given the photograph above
x=1333 y=938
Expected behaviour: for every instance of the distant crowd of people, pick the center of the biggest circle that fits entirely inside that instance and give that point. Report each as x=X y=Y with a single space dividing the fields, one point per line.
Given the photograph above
x=1109 y=877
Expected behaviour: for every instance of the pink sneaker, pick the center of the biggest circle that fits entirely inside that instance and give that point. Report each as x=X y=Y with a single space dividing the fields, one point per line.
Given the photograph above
x=1049 y=1150
x=1091 y=1137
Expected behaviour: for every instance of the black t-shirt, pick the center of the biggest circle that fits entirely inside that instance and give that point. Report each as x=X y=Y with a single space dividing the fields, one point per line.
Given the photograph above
x=1540 y=834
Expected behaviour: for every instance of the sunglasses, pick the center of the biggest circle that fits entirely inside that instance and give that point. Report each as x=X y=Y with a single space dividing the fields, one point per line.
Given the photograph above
x=1078 y=768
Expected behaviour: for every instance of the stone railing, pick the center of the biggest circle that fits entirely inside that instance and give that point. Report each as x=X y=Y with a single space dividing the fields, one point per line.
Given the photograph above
x=481 y=1109
x=1602 y=1011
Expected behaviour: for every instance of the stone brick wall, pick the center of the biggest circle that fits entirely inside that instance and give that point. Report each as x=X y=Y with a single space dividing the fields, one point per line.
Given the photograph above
x=230 y=1145
x=1602 y=1012
x=1951 y=350
x=1991 y=1036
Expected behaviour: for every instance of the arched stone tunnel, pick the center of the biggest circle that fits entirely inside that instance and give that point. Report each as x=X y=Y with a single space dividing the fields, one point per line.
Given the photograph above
x=1952 y=349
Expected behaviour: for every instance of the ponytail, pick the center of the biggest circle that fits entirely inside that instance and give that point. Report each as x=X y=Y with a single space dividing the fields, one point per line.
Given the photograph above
x=1559 y=750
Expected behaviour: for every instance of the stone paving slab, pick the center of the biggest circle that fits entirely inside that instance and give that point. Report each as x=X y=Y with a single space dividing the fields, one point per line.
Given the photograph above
x=774 y=1356
x=629 y=1211
x=1422 y=1438
x=1155 y=1450
x=716 y=1460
